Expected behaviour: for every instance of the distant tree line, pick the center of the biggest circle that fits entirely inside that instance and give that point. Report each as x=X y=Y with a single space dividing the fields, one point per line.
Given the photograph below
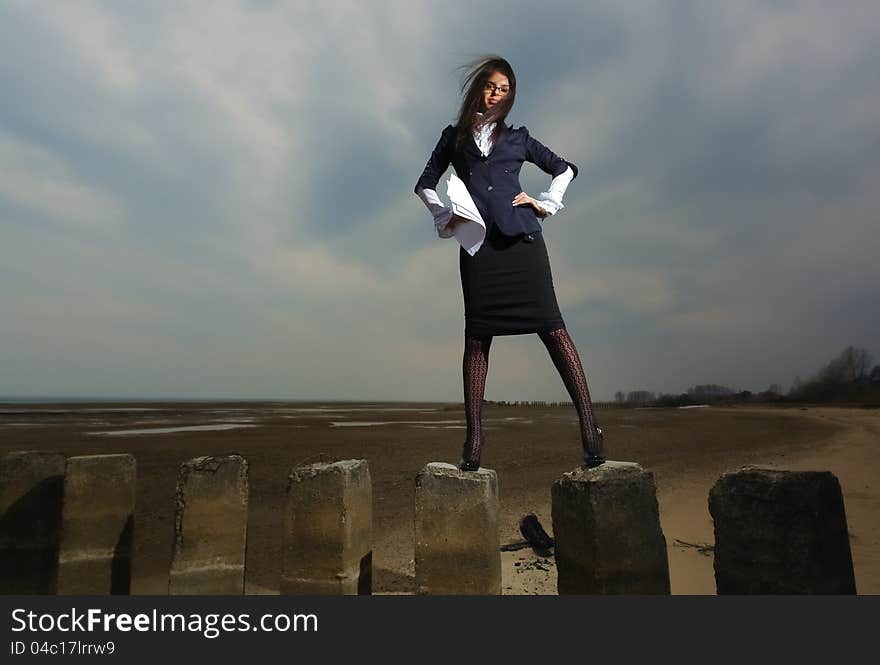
x=540 y=403
x=847 y=378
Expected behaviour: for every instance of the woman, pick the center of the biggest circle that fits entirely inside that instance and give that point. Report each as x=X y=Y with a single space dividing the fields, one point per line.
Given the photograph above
x=507 y=283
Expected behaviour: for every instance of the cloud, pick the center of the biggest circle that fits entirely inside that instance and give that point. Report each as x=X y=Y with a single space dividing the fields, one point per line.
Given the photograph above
x=36 y=181
x=220 y=203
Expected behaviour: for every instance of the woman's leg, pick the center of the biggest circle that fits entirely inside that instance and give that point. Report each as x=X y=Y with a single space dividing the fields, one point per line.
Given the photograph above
x=475 y=365
x=565 y=357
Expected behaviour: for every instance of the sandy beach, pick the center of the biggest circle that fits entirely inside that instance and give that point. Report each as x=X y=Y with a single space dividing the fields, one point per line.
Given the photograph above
x=849 y=449
x=686 y=449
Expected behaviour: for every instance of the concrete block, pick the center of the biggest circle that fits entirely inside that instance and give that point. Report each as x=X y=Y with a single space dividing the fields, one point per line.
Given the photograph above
x=210 y=527
x=780 y=532
x=96 y=525
x=606 y=523
x=456 y=531
x=31 y=486
x=328 y=526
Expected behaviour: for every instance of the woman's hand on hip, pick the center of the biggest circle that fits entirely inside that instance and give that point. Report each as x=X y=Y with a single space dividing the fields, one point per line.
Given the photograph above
x=522 y=199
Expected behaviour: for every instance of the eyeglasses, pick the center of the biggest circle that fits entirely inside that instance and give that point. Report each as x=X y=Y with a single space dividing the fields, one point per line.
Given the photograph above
x=491 y=87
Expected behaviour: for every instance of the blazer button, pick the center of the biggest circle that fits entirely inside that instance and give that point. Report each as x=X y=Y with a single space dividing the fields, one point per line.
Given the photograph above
x=489 y=188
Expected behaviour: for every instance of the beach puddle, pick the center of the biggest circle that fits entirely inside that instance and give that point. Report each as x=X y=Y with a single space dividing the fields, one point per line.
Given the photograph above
x=378 y=423
x=361 y=409
x=170 y=430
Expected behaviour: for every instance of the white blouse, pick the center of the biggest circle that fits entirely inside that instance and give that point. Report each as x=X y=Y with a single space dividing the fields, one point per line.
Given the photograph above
x=551 y=200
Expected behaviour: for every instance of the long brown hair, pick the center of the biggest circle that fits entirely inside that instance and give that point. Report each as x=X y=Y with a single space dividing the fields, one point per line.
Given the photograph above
x=477 y=73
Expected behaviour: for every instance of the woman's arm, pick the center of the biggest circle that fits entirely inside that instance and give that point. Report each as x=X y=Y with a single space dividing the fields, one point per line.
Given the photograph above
x=426 y=185
x=438 y=162
x=441 y=213
x=545 y=159
x=563 y=172
x=551 y=200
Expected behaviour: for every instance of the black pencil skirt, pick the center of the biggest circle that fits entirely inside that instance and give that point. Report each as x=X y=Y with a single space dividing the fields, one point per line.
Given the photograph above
x=508 y=287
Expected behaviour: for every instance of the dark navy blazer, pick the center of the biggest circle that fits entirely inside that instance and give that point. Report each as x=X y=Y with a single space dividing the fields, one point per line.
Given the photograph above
x=493 y=181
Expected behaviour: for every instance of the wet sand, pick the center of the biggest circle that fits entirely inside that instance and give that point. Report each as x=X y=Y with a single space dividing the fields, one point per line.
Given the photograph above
x=686 y=449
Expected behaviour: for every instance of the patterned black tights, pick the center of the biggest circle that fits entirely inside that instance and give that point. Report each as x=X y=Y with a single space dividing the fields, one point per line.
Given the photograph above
x=565 y=357
x=475 y=366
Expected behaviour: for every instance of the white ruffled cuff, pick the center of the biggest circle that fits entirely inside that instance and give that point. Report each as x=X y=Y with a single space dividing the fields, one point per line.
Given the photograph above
x=551 y=200
x=551 y=206
x=439 y=212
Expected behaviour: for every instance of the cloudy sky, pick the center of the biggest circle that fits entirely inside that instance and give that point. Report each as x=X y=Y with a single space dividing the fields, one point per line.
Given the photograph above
x=214 y=199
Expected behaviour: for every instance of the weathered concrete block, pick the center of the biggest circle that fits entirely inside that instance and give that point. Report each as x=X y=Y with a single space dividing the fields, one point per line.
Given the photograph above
x=96 y=525
x=210 y=527
x=31 y=486
x=456 y=531
x=606 y=523
x=328 y=530
x=780 y=532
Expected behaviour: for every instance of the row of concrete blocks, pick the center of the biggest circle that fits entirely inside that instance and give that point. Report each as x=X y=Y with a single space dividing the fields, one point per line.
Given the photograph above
x=66 y=526
x=776 y=531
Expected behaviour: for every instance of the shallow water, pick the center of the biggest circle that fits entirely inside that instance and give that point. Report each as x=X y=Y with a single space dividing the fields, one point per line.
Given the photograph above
x=170 y=430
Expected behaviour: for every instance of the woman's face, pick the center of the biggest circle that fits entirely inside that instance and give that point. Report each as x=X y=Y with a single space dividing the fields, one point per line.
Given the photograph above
x=496 y=89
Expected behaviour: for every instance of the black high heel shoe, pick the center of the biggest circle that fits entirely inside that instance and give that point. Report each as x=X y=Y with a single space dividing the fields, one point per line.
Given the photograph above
x=594 y=458
x=470 y=455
